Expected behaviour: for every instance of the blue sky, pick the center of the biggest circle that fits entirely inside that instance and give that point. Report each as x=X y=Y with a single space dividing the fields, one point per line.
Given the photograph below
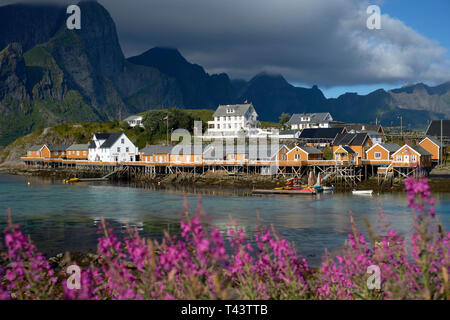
x=430 y=18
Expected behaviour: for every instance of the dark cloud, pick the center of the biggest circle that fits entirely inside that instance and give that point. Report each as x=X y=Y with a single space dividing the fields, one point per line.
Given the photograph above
x=308 y=41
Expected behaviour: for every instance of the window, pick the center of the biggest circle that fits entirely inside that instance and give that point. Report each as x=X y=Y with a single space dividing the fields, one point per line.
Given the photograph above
x=118 y=149
x=84 y=152
x=377 y=155
x=56 y=153
x=414 y=158
x=151 y=158
x=399 y=158
x=127 y=149
x=296 y=157
x=122 y=141
x=78 y=153
x=197 y=159
x=178 y=158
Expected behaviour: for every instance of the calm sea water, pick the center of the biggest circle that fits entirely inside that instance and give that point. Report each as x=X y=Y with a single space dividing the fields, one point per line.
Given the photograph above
x=61 y=217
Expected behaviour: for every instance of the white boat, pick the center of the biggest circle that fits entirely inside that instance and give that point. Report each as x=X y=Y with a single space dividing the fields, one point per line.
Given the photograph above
x=363 y=192
x=328 y=189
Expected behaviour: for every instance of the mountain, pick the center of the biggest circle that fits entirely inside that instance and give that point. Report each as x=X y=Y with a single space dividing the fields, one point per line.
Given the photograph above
x=51 y=75
x=199 y=89
x=422 y=97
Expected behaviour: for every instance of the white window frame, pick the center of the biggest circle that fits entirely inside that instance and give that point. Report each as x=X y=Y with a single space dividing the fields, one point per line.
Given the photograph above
x=377 y=155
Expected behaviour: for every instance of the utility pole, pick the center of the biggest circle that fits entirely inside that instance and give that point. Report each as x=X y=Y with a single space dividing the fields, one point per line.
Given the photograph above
x=442 y=145
x=401 y=126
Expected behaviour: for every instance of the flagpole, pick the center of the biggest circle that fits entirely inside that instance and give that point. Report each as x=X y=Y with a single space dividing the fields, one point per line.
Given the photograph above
x=167 y=130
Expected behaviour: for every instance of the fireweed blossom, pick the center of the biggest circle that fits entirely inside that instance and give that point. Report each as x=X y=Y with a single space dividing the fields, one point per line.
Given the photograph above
x=196 y=265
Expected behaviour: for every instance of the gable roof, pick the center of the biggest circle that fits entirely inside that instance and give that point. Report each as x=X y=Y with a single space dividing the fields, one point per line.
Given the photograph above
x=287 y=132
x=156 y=149
x=434 y=129
x=389 y=147
x=36 y=148
x=314 y=118
x=421 y=150
x=58 y=147
x=435 y=141
x=362 y=127
x=78 y=147
x=111 y=139
x=133 y=118
x=239 y=110
x=321 y=133
x=352 y=139
x=417 y=149
x=346 y=148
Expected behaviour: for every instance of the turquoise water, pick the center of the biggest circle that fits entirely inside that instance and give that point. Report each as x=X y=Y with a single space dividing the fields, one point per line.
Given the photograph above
x=61 y=217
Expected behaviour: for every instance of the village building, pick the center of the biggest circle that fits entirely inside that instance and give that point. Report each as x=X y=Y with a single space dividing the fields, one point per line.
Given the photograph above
x=58 y=151
x=345 y=153
x=112 y=147
x=320 y=137
x=381 y=153
x=304 y=153
x=310 y=120
x=186 y=154
x=233 y=120
x=156 y=154
x=78 y=152
x=435 y=147
x=412 y=156
x=288 y=134
x=38 y=151
x=134 y=121
x=359 y=142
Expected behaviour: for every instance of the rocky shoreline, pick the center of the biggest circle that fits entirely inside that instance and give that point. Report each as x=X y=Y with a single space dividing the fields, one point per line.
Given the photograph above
x=438 y=182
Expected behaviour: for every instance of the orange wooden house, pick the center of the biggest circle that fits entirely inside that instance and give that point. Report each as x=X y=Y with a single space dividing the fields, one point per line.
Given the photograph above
x=303 y=153
x=358 y=142
x=434 y=146
x=409 y=156
x=344 y=153
x=78 y=152
x=38 y=151
x=186 y=154
x=381 y=153
x=58 y=151
x=156 y=154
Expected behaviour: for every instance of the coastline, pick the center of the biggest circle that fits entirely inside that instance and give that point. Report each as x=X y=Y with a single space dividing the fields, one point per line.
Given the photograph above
x=439 y=181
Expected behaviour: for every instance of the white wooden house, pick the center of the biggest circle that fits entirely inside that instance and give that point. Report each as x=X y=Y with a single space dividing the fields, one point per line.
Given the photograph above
x=112 y=147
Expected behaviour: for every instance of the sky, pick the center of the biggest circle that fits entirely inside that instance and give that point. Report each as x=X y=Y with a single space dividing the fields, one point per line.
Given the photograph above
x=309 y=42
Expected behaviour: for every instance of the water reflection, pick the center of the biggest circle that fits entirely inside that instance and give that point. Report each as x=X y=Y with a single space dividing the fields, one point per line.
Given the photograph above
x=63 y=217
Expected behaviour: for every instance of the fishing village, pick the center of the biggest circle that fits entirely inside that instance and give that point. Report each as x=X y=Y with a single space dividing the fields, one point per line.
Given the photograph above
x=313 y=153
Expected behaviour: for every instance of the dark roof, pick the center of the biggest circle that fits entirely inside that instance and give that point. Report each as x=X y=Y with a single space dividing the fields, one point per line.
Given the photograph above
x=92 y=145
x=310 y=150
x=362 y=127
x=421 y=150
x=58 y=147
x=288 y=132
x=156 y=149
x=78 y=147
x=352 y=139
x=188 y=149
x=314 y=118
x=348 y=149
x=320 y=133
x=102 y=136
x=35 y=148
x=391 y=147
x=111 y=139
x=434 y=129
x=239 y=110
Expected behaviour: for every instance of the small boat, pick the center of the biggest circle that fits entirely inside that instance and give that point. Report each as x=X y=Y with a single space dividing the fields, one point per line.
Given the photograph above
x=329 y=189
x=71 y=180
x=319 y=189
x=363 y=192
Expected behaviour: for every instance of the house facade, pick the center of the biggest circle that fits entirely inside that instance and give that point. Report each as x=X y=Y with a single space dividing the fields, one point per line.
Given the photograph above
x=302 y=121
x=229 y=120
x=438 y=151
x=304 y=153
x=78 y=152
x=112 y=147
x=156 y=154
x=381 y=152
x=359 y=142
x=412 y=156
x=134 y=121
x=38 y=151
